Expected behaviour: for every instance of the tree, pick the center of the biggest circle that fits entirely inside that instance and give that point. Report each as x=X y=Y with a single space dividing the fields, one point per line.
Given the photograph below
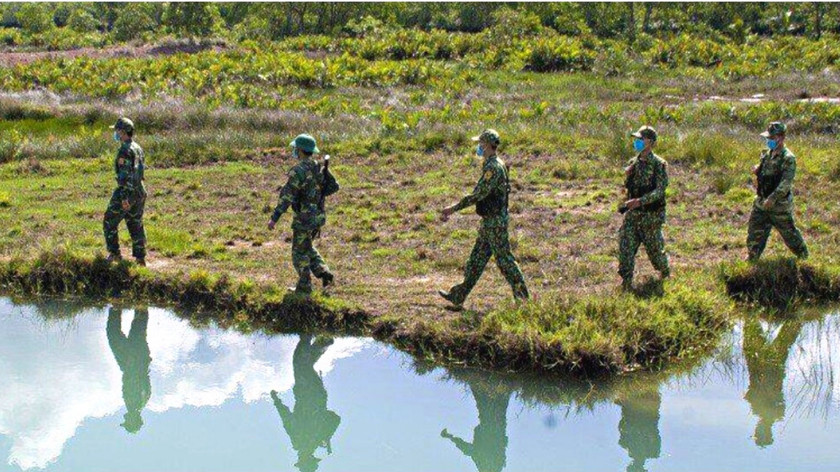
x=193 y=18
x=134 y=20
x=631 y=23
x=82 y=21
x=34 y=18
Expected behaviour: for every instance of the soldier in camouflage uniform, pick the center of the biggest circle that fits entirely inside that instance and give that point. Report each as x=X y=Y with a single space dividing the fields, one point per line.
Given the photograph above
x=646 y=179
x=304 y=192
x=773 y=206
x=129 y=199
x=490 y=198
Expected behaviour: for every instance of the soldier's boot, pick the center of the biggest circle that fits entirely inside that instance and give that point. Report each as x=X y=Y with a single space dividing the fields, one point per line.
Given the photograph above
x=451 y=297
x=114 y=257
x=141 y=261
x=665 y=274
x=627 y=285
x=327 y=279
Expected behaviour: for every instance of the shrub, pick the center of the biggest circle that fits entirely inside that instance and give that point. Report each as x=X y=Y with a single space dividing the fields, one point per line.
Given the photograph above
x=134 y=20
x=559 y=53
x=34 y=18
x=782 y=283
x=82 y=21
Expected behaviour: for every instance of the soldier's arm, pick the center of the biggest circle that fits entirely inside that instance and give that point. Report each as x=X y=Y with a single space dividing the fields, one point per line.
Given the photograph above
x=125 y=184
x=485 y=185
x=287 y=195
x=786 y=184
x=657 y=193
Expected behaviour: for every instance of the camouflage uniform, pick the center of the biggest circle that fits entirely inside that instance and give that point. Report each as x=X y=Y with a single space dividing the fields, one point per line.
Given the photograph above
x=303 y=193
x=647 y=180
x=490 y=197
x=775 y=184
x=129 y=166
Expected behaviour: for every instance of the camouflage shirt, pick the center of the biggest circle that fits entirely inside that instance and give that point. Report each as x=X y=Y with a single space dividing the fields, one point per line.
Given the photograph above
x=129 y=166
x=493 y=180
x=302 y=193
x=775 y=177
x=647 y=180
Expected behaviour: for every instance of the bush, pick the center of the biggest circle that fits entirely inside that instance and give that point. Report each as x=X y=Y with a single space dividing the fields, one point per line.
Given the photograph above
x=559 y=53
x=782 y=283
x=34 y=18
x=82 y=21
x=134 y=20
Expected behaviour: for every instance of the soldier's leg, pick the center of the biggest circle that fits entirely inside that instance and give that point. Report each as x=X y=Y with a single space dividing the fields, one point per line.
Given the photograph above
x=786 y=225
x=111 y=223
x=628 y=246
x=500 y=246
x=316 y=263
x=654 y=241
x=134 y=222
x=479 y=257
x=757 y=233
x=301 y=250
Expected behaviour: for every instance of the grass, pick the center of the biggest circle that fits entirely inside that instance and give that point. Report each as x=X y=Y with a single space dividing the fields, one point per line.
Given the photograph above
x=400 y=154
x=783 y=282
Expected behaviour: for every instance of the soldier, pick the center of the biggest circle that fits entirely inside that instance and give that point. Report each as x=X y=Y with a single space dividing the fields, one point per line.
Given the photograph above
x=129 y=199
x=773 y=206
x=490 y=198
x=133 y=356
x=304 y=192
x=646 y=179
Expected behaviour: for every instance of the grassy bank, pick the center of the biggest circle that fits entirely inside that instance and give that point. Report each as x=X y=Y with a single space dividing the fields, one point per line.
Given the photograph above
x=782 y=282
x=583 y=337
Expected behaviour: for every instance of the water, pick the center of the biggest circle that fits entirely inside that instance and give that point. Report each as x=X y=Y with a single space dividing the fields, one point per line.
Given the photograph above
x=105 y=389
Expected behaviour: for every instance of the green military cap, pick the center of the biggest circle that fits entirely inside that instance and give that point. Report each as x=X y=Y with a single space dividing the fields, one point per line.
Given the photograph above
x=645 y=132
x=124 y=124
x=306 y=143
x=776 y=128
x=489 y=136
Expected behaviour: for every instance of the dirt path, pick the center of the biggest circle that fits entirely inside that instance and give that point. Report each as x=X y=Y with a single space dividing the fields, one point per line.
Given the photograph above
x=12 y=58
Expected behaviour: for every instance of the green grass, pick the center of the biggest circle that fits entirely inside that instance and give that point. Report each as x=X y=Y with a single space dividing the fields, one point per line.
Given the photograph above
x=783 y=282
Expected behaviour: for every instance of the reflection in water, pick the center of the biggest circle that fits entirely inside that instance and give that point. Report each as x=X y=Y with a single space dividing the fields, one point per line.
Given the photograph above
x=488 y=449
x=639 y=427
x=766 y=363
x=310 y=425
x=134 y=358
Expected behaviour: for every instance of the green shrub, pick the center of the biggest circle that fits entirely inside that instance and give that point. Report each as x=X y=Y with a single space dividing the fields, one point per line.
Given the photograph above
x=35 y=18
x=82 y=21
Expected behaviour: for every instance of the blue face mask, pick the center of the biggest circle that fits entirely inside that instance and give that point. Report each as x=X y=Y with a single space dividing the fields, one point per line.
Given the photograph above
x=638 y=145
x=479 y=151
x=772 y=144
x=295 y=153
x=116 y=136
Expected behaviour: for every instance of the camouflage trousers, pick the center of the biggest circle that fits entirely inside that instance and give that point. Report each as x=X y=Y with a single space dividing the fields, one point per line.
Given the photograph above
x=306 y=259
x=781 y=218
x=642 y=228
x=493 y=240
x=133 y=220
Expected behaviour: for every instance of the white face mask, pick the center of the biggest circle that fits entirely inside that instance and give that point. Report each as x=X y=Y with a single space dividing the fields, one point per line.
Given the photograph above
x=117 y=136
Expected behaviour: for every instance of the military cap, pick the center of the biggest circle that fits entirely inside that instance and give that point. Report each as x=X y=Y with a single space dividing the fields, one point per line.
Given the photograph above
x=775 y=128
x=489 y=136
x=645 y=132
x=124 y=124
x=306 y=143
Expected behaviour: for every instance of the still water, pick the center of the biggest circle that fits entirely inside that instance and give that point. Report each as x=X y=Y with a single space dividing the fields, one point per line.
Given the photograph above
x=109 y=389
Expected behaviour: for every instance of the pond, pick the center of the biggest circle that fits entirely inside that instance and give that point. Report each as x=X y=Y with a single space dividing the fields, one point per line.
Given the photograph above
x=125 y=389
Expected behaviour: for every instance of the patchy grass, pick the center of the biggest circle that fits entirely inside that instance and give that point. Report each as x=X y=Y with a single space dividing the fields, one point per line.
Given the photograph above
x=583 y=335
x=782 y=282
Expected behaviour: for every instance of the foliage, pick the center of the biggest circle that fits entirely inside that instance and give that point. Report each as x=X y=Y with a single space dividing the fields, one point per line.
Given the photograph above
x=34 y=18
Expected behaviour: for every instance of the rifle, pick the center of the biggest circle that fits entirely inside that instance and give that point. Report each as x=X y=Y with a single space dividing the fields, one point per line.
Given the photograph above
x=322 y=200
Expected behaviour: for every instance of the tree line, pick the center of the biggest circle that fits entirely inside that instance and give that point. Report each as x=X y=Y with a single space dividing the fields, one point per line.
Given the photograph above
x=273 y=21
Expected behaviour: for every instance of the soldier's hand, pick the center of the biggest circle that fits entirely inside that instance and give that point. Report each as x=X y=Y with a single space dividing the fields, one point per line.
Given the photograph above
x=445 y=433
x=767 y=204
x=628 y=170
x=444 y=214
x=633 y=204
x=271 y=225
x=125 y=205
x=755 y=170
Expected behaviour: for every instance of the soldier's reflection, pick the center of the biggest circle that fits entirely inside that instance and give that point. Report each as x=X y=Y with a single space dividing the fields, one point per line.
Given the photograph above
x=766 y=362
x=311 y=425
x=133 y=357
x=639 y=427
x=488 y=449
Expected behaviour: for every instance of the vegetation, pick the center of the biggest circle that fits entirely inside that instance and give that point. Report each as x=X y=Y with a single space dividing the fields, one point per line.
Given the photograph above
x=393 y=91
x=783 y=283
